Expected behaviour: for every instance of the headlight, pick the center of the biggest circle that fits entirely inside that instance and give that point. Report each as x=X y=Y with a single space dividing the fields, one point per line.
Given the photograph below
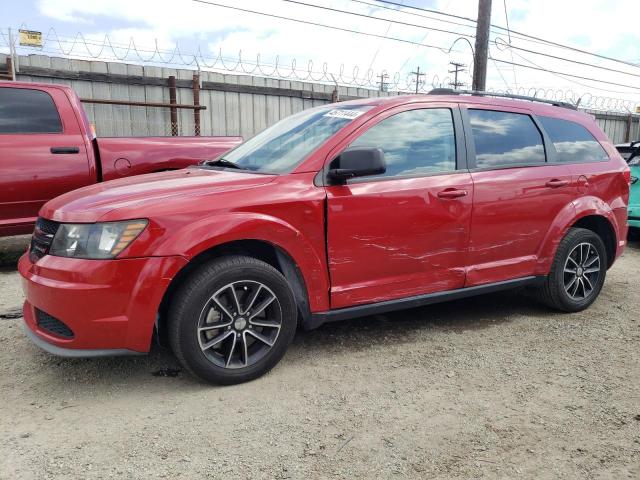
x=95 y=240
x=635 y=161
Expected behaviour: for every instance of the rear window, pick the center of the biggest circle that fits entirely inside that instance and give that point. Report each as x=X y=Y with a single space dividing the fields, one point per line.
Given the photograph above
x=573 y=142
x=505 y=139
x=24 y=110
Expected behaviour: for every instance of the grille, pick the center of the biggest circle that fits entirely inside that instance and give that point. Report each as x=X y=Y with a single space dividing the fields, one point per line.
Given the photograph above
x=52 y=325
x=42 y=238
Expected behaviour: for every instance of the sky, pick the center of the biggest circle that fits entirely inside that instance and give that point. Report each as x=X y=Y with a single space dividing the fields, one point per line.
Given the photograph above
x=591 y=25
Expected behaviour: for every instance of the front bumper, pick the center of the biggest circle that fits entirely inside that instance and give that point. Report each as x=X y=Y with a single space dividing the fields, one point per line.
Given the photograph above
x=109 y=305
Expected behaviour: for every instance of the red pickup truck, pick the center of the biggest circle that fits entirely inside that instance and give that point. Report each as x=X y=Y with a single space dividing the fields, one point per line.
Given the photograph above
x=47 y=148
x=339 y=211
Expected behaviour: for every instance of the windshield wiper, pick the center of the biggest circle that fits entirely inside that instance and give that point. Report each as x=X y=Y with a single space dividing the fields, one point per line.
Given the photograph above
x=223 y=162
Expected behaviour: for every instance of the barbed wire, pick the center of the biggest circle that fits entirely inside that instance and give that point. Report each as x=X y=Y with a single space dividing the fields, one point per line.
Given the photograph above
x=81 y=47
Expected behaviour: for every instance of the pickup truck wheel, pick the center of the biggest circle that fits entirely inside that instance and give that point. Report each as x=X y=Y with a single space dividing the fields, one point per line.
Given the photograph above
x=577 y=273
x=232 y=320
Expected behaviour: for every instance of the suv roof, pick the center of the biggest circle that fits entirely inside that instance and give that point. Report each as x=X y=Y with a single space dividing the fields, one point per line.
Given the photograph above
x=536 y=106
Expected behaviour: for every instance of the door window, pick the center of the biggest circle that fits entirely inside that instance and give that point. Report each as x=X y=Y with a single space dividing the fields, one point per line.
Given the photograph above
x=504 y=139
x=415 y=142
x=573 y=142
x=25 y=110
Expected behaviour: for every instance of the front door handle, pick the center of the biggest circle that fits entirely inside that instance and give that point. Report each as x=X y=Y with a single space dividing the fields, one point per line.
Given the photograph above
x=452 y=193
x=65 y=150
x=555 y=183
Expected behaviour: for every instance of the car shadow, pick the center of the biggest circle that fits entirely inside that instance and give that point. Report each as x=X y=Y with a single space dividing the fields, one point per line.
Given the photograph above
x=160 y=370
x=458 y=316
x=11 y=249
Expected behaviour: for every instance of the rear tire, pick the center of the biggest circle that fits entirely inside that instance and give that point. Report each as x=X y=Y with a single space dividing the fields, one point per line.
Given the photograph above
x=232 y=320
x=577 y=273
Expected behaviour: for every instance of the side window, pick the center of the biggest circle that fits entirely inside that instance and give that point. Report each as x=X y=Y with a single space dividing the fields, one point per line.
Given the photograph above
x=573 y=142
x=24 y=110
x=505 y=139
x=414 y=142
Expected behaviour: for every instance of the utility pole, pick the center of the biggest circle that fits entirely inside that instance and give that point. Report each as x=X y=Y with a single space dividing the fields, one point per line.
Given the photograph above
x=13 y=56
x=482 y=45
x=383 y=84
x=418 y=75
x=457 y=68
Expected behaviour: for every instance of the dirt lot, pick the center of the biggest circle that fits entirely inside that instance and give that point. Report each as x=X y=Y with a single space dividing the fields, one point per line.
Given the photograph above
x=492 y=387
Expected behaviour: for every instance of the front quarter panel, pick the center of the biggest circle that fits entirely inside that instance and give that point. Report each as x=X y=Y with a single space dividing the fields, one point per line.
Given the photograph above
x=290 y=217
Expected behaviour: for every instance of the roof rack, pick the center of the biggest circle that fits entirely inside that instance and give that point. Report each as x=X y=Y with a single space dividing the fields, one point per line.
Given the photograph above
x=450 y=91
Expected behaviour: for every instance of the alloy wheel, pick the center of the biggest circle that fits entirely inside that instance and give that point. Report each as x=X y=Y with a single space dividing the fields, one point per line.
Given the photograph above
x=239 y=324
x=581 y=271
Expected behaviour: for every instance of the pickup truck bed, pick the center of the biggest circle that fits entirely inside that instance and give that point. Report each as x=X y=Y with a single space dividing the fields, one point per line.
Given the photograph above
x=47 y=148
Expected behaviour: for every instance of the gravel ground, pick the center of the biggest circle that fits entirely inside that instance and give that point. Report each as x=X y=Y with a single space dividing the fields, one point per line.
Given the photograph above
x=491 y=387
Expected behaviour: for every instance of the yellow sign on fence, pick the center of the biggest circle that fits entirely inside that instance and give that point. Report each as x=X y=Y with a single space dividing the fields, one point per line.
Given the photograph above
x=30 y=38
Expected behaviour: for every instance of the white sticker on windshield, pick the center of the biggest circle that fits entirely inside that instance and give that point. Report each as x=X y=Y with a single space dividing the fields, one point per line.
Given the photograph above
x=346 y=114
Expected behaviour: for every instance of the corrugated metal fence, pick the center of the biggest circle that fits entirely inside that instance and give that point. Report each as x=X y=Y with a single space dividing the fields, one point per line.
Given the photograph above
x=235 y=104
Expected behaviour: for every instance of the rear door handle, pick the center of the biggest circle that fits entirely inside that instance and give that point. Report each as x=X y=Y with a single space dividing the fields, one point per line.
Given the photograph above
x=65 y=149
x=452 y=193
x=555 y=183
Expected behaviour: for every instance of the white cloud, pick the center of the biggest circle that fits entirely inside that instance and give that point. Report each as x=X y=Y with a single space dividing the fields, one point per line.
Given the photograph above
x=597 y=25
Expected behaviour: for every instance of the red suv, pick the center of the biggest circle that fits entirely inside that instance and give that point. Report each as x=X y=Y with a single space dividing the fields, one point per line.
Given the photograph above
x=336 y=212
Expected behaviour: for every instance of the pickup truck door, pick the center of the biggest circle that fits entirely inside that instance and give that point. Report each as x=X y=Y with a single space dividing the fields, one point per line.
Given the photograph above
x=405 y=232
x=42 y=153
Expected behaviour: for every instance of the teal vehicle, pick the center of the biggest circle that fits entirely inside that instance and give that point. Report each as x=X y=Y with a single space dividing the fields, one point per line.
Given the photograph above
x=631 y=153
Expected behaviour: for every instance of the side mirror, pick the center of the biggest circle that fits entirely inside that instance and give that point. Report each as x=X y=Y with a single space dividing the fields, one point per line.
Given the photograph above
x=357 y=162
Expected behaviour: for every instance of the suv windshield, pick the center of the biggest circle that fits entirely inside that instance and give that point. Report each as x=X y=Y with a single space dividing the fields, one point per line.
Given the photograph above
x=283 y=146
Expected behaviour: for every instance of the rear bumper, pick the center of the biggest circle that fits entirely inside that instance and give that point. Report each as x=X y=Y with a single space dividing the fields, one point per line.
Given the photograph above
x=110 y=306
x=634 y=216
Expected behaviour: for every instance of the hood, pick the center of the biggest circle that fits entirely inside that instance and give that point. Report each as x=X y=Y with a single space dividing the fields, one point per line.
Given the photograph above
x=139 y=193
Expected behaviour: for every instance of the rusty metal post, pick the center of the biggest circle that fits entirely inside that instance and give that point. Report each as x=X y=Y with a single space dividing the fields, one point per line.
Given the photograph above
x=172 y=100
x=10 y=71
x=196 y=103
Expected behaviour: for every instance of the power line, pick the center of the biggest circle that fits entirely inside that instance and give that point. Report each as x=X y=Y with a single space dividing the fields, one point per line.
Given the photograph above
x=471 y=36
x=375 y=55
x=564 y=59
x=316 y=24
x=435 y=19
x=563 y=73
x=506 y=17
x=533 y=37
x=564 y=76
x=363 y=15
x=430 y=10
x=423 y=38
x=449 y=31
x=504 y=80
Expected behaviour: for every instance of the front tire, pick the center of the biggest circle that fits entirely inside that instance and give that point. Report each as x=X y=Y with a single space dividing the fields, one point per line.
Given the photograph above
x=577 y=273
x=232 y=320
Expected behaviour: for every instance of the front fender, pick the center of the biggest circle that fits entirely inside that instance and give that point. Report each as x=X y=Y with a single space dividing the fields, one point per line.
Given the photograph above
x=197 y=237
